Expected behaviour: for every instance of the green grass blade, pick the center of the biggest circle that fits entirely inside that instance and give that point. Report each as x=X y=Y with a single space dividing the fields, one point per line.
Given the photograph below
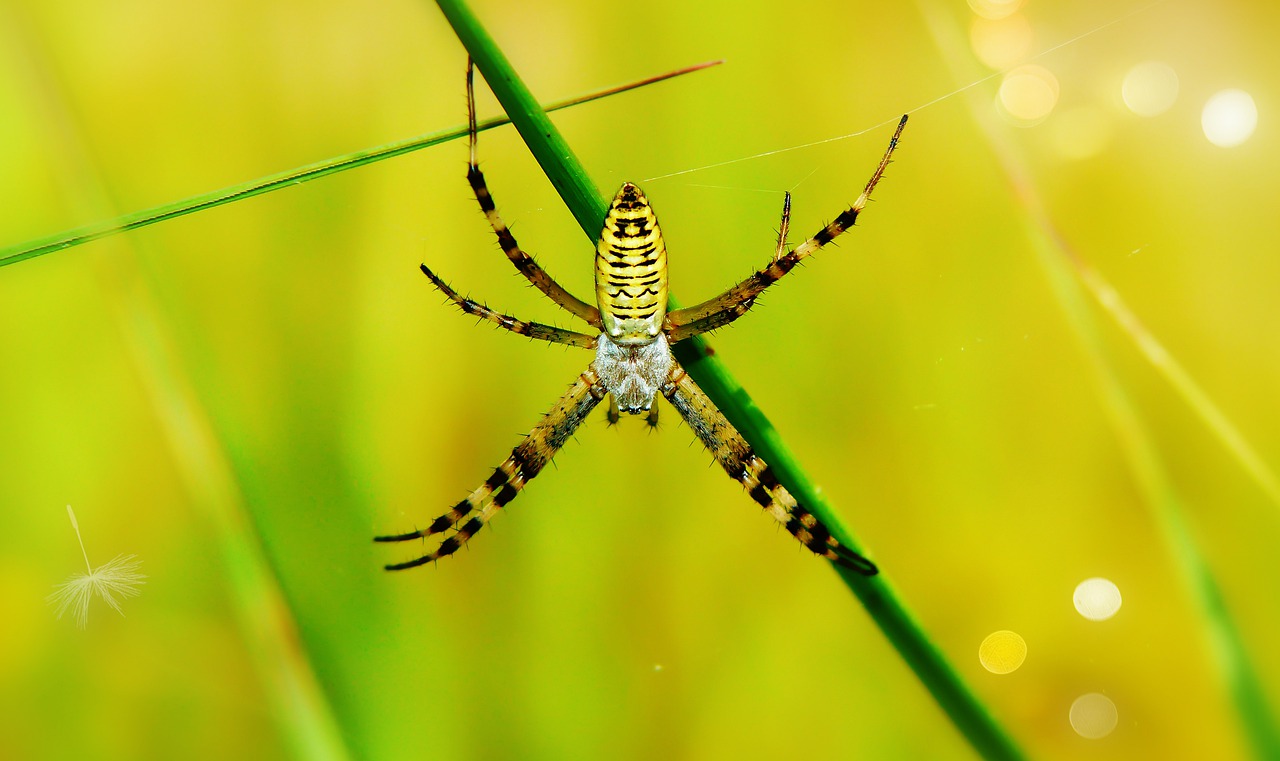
x=69 y=238
x=583 y=199
x=1063 y=266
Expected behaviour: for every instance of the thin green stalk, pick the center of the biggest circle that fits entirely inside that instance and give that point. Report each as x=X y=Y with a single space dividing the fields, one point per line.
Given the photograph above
x=68 y=238
x=879 y=598
x=1060 y=261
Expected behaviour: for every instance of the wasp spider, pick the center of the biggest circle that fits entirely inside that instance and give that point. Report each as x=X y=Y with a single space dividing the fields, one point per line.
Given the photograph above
x=632 y=337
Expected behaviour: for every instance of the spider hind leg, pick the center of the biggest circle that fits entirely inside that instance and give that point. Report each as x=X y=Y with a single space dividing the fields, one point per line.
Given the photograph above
x=742 y=464
x=526 y=461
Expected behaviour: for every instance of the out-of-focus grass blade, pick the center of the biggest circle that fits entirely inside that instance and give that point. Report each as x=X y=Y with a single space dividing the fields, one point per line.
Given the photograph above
x=302 y=709
x=583 y=199
x=1195 y=397
x=29 y=250
x=298 y=703
x=1059 y=260
x=1226 y=647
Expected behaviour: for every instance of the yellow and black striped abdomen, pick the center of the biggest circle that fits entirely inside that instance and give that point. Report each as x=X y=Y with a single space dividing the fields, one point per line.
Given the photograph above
x=631 y=270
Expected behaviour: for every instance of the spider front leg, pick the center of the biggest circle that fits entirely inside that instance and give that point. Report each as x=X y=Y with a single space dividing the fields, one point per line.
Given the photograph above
x=733 y=303
x=526 y=461
x=743 y=465
x=532 y=271
x=519 y=327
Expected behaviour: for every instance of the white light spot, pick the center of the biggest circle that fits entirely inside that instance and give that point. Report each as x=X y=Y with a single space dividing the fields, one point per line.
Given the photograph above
x=1002 y=652
x=1028 y=94
x=1097 y=599
x=657 y=667
x=1150 y=88
x=1229 y=118
x=1093 y=716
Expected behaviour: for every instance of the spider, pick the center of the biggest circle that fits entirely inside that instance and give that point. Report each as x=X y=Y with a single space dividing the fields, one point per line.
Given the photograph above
x=633 y=363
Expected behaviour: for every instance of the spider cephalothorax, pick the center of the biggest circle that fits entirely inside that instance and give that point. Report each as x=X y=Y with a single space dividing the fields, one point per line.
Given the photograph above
x=633 y=362
x=633 y=374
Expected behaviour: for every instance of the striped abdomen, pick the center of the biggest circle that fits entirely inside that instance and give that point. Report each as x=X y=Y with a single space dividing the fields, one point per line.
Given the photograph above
x=631 y=270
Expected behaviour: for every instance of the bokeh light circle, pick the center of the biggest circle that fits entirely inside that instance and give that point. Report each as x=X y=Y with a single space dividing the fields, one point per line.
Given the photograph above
x=1093 y=716
x=1001 y=43
x=1097 y=599
x=1002 y=652
x=1028 y=94
x=1229 y=118
x=1149 y=89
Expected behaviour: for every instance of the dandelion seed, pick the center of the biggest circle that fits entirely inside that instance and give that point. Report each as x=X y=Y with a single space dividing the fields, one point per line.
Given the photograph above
x=113 y=581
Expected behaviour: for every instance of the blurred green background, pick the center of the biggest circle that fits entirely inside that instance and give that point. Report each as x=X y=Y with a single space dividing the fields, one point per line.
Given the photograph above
x=244 y=396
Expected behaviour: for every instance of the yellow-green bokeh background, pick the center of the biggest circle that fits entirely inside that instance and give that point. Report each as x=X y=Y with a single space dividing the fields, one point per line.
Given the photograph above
x=631 y=604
